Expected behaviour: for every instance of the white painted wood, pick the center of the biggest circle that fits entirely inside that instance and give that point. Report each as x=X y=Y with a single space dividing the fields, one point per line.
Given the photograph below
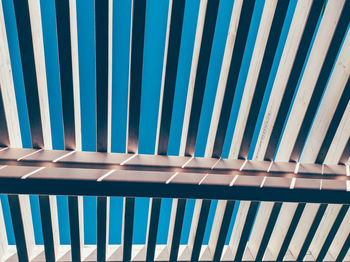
x=316 y=135
x=76 y=94
x=75 y=71
x=3 y=237
x=225 y=68
x=208 y=253
x=323 y=230
x=303 y=97
x=238 y=227
x=328 y=104
x=303 y=228
x=252 y=77
x=114 y=253
x=308 y=81
x=340 y=139
x=165 y=58
x=324 y=36
x=40 y=67
x=195 y=57
x=259 y=227
x=7 y=87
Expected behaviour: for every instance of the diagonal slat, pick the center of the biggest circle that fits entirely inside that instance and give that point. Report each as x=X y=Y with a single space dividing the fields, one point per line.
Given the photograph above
x=315 y=223
x=242 y=13
x=208 y=11
x=268 y=231
x=261 y=83
x=253 y=207
x=332 y=233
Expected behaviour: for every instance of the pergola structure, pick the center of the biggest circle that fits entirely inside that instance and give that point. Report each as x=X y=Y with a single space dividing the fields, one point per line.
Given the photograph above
x=294 y=192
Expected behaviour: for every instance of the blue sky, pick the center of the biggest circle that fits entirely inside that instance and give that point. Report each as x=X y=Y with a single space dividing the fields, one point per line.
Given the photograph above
x=155 y=33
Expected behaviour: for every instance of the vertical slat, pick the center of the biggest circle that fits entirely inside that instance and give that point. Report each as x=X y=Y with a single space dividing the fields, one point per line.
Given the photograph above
x=18 y=228
x=135 y=74
x=175 y=227
x=171 y=59
x=24 y=30
x=66 y=75
x=45 y=214
x=73 y=211
x=64 y=16
x=137 y=37
x=332 y=233
x=29 y=74
x=154 y=211
x=269 y=53
x=128 y=223
x=101 y=47
x=170 y=64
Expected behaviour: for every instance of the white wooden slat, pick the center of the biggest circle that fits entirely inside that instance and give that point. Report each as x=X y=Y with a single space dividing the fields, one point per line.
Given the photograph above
x=163 y=75
x=237 y=230
x=252 y=77
x=75 y=69
x=195 y=57
x=297 y=26
x=322 y=42
x=225 y=68
x=308 y=81
x=186 y=253
x=219 y=98
x=328 y=104
x=38 y=44
x=10 y=108
x=316 y=135
x=40 y=67
x=77 y=112
x=109 y=119
x=339 y=239
x=317 y=55
x=339 y=141
x=264 y=27
x=7 y=87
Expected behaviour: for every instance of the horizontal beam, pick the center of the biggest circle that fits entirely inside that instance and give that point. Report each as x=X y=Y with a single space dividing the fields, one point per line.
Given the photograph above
x=69 y=181
x=173 y=164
